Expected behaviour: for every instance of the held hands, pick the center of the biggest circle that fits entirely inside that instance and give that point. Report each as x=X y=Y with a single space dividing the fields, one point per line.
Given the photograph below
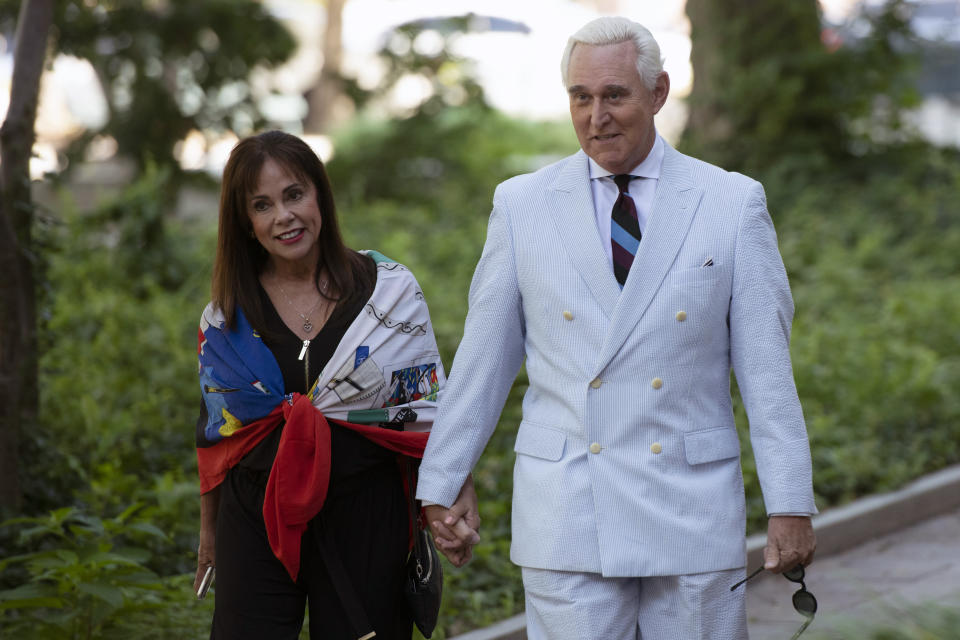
x=455 y=529
x=790 y=541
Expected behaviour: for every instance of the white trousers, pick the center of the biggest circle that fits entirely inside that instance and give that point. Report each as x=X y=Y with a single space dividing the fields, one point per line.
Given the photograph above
x=565 y=605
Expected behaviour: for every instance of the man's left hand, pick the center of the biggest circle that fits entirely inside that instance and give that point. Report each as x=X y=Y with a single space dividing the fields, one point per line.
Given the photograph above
x=790 y=541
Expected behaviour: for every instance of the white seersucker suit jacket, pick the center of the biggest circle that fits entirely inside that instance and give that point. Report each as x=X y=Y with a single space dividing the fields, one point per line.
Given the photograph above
x=628 y=462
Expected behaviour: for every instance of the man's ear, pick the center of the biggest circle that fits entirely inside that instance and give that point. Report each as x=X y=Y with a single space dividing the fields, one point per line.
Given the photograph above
x=661 y=89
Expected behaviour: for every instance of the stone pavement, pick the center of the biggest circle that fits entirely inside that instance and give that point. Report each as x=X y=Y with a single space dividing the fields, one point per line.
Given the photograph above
x=888 y=580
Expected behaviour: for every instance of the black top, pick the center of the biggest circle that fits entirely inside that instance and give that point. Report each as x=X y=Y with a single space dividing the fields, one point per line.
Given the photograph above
x=351 y=452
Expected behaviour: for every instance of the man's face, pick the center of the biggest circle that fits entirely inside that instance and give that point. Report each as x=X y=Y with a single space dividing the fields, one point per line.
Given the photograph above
x=612 y=110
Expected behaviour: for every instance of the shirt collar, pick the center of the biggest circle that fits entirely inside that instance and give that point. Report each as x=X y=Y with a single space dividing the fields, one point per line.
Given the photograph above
x=649 y=167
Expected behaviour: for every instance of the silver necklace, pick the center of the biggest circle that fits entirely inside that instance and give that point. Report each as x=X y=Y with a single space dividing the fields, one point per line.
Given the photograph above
x=307 y=324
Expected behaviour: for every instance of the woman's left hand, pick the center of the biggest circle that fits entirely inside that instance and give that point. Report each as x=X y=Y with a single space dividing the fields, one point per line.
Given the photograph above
x=455 y=530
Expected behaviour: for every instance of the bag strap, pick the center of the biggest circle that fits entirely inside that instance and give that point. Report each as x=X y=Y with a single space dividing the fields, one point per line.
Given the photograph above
x=418 y=529
x=411 y=494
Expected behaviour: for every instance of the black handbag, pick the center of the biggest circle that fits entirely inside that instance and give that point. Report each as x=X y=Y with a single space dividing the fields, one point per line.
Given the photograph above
x=424 y=583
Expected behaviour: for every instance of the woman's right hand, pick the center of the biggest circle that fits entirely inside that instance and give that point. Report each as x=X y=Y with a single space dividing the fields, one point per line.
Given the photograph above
x=206 y=551
x=206 y=555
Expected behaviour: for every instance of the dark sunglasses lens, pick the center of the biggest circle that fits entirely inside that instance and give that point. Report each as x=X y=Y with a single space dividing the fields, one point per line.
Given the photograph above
x=804 y=602
x=794 y=575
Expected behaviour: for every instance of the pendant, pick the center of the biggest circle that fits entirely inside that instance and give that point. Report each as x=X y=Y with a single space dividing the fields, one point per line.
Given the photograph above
x=307 y=326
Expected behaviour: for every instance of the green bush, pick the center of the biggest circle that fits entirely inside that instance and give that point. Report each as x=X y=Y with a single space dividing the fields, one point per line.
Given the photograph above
x=127 y=288
x=119 y=398
x=88 y=579
x=876 y=355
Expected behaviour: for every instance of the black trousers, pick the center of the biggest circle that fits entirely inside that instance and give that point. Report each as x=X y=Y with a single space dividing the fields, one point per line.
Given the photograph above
x=365 y=518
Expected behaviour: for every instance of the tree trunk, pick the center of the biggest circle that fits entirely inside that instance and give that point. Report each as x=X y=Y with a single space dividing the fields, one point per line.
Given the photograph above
x=744 y=54
x=706 y=117
x=329 y=87
x=18 y=336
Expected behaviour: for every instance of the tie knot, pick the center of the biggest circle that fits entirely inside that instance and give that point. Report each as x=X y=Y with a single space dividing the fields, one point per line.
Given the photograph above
x=622 y=181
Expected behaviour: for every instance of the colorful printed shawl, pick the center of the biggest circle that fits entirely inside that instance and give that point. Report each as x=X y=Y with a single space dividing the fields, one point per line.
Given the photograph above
x=386 y=369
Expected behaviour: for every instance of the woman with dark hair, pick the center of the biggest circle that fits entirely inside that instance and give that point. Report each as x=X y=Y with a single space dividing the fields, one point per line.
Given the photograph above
x=319 y=374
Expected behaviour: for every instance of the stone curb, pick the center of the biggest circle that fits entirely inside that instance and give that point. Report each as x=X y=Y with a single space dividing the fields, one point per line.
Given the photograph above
x=837 y=530
x=513 y=628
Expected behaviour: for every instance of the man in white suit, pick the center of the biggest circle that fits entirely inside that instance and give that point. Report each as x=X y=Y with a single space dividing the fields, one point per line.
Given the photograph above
x=632 y=278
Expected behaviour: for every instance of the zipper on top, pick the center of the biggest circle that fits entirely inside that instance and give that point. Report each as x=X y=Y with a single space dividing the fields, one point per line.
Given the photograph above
x=305 y=356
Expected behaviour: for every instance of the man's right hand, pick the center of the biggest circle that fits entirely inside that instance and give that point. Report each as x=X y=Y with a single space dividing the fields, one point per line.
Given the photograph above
x=455 y=529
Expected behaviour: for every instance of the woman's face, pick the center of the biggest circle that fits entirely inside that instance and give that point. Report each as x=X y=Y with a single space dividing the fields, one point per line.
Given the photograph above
x=285 y=217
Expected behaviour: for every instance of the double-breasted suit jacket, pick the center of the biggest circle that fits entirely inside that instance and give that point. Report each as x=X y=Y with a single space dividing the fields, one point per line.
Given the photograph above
x=627 y=458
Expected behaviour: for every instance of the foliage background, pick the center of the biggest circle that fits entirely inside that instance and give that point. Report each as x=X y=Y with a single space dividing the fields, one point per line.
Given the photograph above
x=104 y=545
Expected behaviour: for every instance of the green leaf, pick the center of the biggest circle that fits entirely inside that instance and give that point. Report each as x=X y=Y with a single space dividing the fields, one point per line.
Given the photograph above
x=141 y=579
x=149 y=528
x=55 y=559
x=131 y=557
x=106 y=592
x=61 y=515
x=26 y=535
x=135 y=555
x=29 y=590
x=32 y=603
x=128 y=512
x=14 y=559
x=85 y=522
x=29 y=596
x=13 y=521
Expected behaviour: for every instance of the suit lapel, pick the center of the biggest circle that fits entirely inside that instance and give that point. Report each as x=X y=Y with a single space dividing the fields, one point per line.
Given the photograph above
x=572 y=202
x=674 y=205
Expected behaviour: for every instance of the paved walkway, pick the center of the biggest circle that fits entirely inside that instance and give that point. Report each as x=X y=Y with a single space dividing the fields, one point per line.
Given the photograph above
x=890 y=579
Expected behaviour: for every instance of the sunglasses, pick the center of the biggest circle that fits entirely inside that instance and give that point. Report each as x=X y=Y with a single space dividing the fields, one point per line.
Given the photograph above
x=803 y=601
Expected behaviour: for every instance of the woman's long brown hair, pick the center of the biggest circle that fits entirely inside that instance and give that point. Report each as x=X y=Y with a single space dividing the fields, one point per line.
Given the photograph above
x=240 y=258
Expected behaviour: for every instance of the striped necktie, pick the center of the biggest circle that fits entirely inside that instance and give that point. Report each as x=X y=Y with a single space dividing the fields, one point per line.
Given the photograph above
x=624 y=229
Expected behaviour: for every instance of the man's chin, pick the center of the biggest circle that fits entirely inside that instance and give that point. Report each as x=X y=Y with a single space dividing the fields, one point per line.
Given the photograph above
x=614 y=163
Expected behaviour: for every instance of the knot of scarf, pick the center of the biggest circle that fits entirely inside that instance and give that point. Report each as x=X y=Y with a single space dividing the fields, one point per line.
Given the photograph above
x=299 y=479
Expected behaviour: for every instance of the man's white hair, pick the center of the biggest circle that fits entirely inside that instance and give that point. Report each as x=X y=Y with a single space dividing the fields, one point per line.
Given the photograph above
x=614 y=30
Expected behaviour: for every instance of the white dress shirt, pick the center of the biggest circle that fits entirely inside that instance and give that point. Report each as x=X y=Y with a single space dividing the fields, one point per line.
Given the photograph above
x=642 y=190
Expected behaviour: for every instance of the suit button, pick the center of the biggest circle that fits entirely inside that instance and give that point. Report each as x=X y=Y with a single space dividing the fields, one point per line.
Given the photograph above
x=656 y=383
x=595 y=383
x=595 y=447
x=656 y=448
x=567 y=315
x=681 y=316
